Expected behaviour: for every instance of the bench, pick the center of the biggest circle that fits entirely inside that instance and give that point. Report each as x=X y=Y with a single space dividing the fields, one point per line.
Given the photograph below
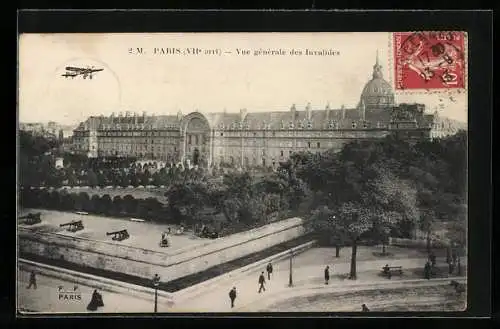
x=392 y=270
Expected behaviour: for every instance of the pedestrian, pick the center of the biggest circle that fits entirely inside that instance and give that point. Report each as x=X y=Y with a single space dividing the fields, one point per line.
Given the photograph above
x=262 y=280
x=459 y=267
x=269 y=269
x=95 y=301
x=32 y=282
x=450 y=267
x=454 y=255
x=432 y=258
x=448 y=255
x=232 y=296
x=327 y=274
x=427 y=270
x=365 y=308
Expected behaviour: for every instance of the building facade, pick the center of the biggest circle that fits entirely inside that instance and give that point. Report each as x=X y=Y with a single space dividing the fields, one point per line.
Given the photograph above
x=258 y=139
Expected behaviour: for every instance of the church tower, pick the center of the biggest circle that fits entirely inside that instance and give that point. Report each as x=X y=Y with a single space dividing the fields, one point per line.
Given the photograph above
x=377 y=93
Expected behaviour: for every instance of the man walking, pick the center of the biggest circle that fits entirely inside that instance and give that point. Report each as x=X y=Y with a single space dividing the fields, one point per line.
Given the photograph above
x=327 y=274
x=262 y=280
x=232 y=296
x=427 y=270
x=269 y=270
x=432 y=258
x=32 y=281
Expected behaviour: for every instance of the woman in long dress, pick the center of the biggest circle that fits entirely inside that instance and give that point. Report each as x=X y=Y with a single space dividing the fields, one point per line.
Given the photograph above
x=95 y=301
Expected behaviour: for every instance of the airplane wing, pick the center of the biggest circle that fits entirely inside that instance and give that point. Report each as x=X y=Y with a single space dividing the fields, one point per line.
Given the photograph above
x=95 y=70
x=74 y=69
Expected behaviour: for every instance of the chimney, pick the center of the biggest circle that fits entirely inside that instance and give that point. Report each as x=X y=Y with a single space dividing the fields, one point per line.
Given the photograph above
x=327 y=112
x=308 y=112
x=293 y=110
x=243 y=113
x=179 y=115
x=342 y=109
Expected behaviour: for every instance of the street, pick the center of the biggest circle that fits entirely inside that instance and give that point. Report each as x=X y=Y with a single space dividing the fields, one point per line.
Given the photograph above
x=307 y=273
x=46 y=298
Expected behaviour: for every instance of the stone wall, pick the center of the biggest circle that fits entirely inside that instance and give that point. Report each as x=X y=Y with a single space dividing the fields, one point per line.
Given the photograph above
x=145 y=263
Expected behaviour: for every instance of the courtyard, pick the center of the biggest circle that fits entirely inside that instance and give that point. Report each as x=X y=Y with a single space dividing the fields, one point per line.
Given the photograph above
x=144 y=235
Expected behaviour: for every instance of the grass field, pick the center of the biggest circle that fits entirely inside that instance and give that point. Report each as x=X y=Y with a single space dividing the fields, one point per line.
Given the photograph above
x=142 y=234
x=432 y=298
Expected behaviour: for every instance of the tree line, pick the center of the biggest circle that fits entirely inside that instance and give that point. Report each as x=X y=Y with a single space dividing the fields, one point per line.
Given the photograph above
x=365 y=193
x=127 y=206
x=371 y=190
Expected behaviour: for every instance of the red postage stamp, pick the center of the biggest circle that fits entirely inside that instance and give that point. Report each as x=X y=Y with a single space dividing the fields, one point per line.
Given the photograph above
x=429 y=60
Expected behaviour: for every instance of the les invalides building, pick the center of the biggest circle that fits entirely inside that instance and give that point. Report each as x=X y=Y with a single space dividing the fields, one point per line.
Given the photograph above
x=260 y=139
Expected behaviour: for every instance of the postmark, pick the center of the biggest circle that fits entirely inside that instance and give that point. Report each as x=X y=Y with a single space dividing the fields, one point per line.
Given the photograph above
x=430 y=60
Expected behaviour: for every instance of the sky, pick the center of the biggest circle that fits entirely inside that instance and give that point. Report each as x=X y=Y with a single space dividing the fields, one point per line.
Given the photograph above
x=165 y=83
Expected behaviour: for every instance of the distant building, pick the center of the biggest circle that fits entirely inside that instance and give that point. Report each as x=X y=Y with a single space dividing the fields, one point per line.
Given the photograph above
x=262 y=139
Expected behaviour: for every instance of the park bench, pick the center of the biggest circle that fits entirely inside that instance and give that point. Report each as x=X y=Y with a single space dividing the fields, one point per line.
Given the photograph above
x=389 y=271
x=459 y=287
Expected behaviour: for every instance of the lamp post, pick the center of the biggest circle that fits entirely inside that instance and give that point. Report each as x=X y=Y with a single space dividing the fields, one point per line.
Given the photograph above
x=156 y=283
x=290 y=279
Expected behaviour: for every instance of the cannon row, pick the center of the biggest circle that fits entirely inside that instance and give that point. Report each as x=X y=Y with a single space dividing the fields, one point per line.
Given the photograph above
x=32 y=219
x=74 y=226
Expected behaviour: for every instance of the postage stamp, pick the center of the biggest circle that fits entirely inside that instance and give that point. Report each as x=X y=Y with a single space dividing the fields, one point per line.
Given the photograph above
x=430 y=60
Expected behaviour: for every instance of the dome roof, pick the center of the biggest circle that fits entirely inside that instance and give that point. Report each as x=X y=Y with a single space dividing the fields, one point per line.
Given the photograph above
x=377 y=92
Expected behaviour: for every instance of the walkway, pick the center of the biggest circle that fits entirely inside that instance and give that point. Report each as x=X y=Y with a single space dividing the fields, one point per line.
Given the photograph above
x=215 y=299
x=45 y=298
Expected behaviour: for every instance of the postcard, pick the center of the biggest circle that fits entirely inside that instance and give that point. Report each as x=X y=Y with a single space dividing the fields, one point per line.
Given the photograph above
x=242 y=172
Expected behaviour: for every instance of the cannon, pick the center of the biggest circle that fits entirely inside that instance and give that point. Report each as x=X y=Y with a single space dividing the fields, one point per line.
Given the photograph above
x=32 y=219
x=119 y=235
x=208 y=233
x=73 y=226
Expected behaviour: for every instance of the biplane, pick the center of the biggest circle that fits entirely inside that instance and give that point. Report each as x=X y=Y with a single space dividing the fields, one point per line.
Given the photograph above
x=76 y=71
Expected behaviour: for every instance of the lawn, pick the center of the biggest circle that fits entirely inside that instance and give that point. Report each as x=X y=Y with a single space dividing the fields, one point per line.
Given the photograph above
x=433 y=298
x=326 y=255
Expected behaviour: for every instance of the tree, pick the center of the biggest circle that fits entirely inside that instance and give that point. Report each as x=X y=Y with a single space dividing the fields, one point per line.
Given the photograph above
x=117 y=205
x=106 y=204
x=95 y=204
x=129 y=204
x=188 y=200
x=83 y=202
x=67 y=201
x=91 y=178
x=324 y=223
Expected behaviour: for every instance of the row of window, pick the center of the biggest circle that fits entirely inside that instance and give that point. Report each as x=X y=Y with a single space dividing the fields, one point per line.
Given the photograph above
x=131 y=147
x=140 y=133
x=137 y=141
x=282 y=152
x=291 y=125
